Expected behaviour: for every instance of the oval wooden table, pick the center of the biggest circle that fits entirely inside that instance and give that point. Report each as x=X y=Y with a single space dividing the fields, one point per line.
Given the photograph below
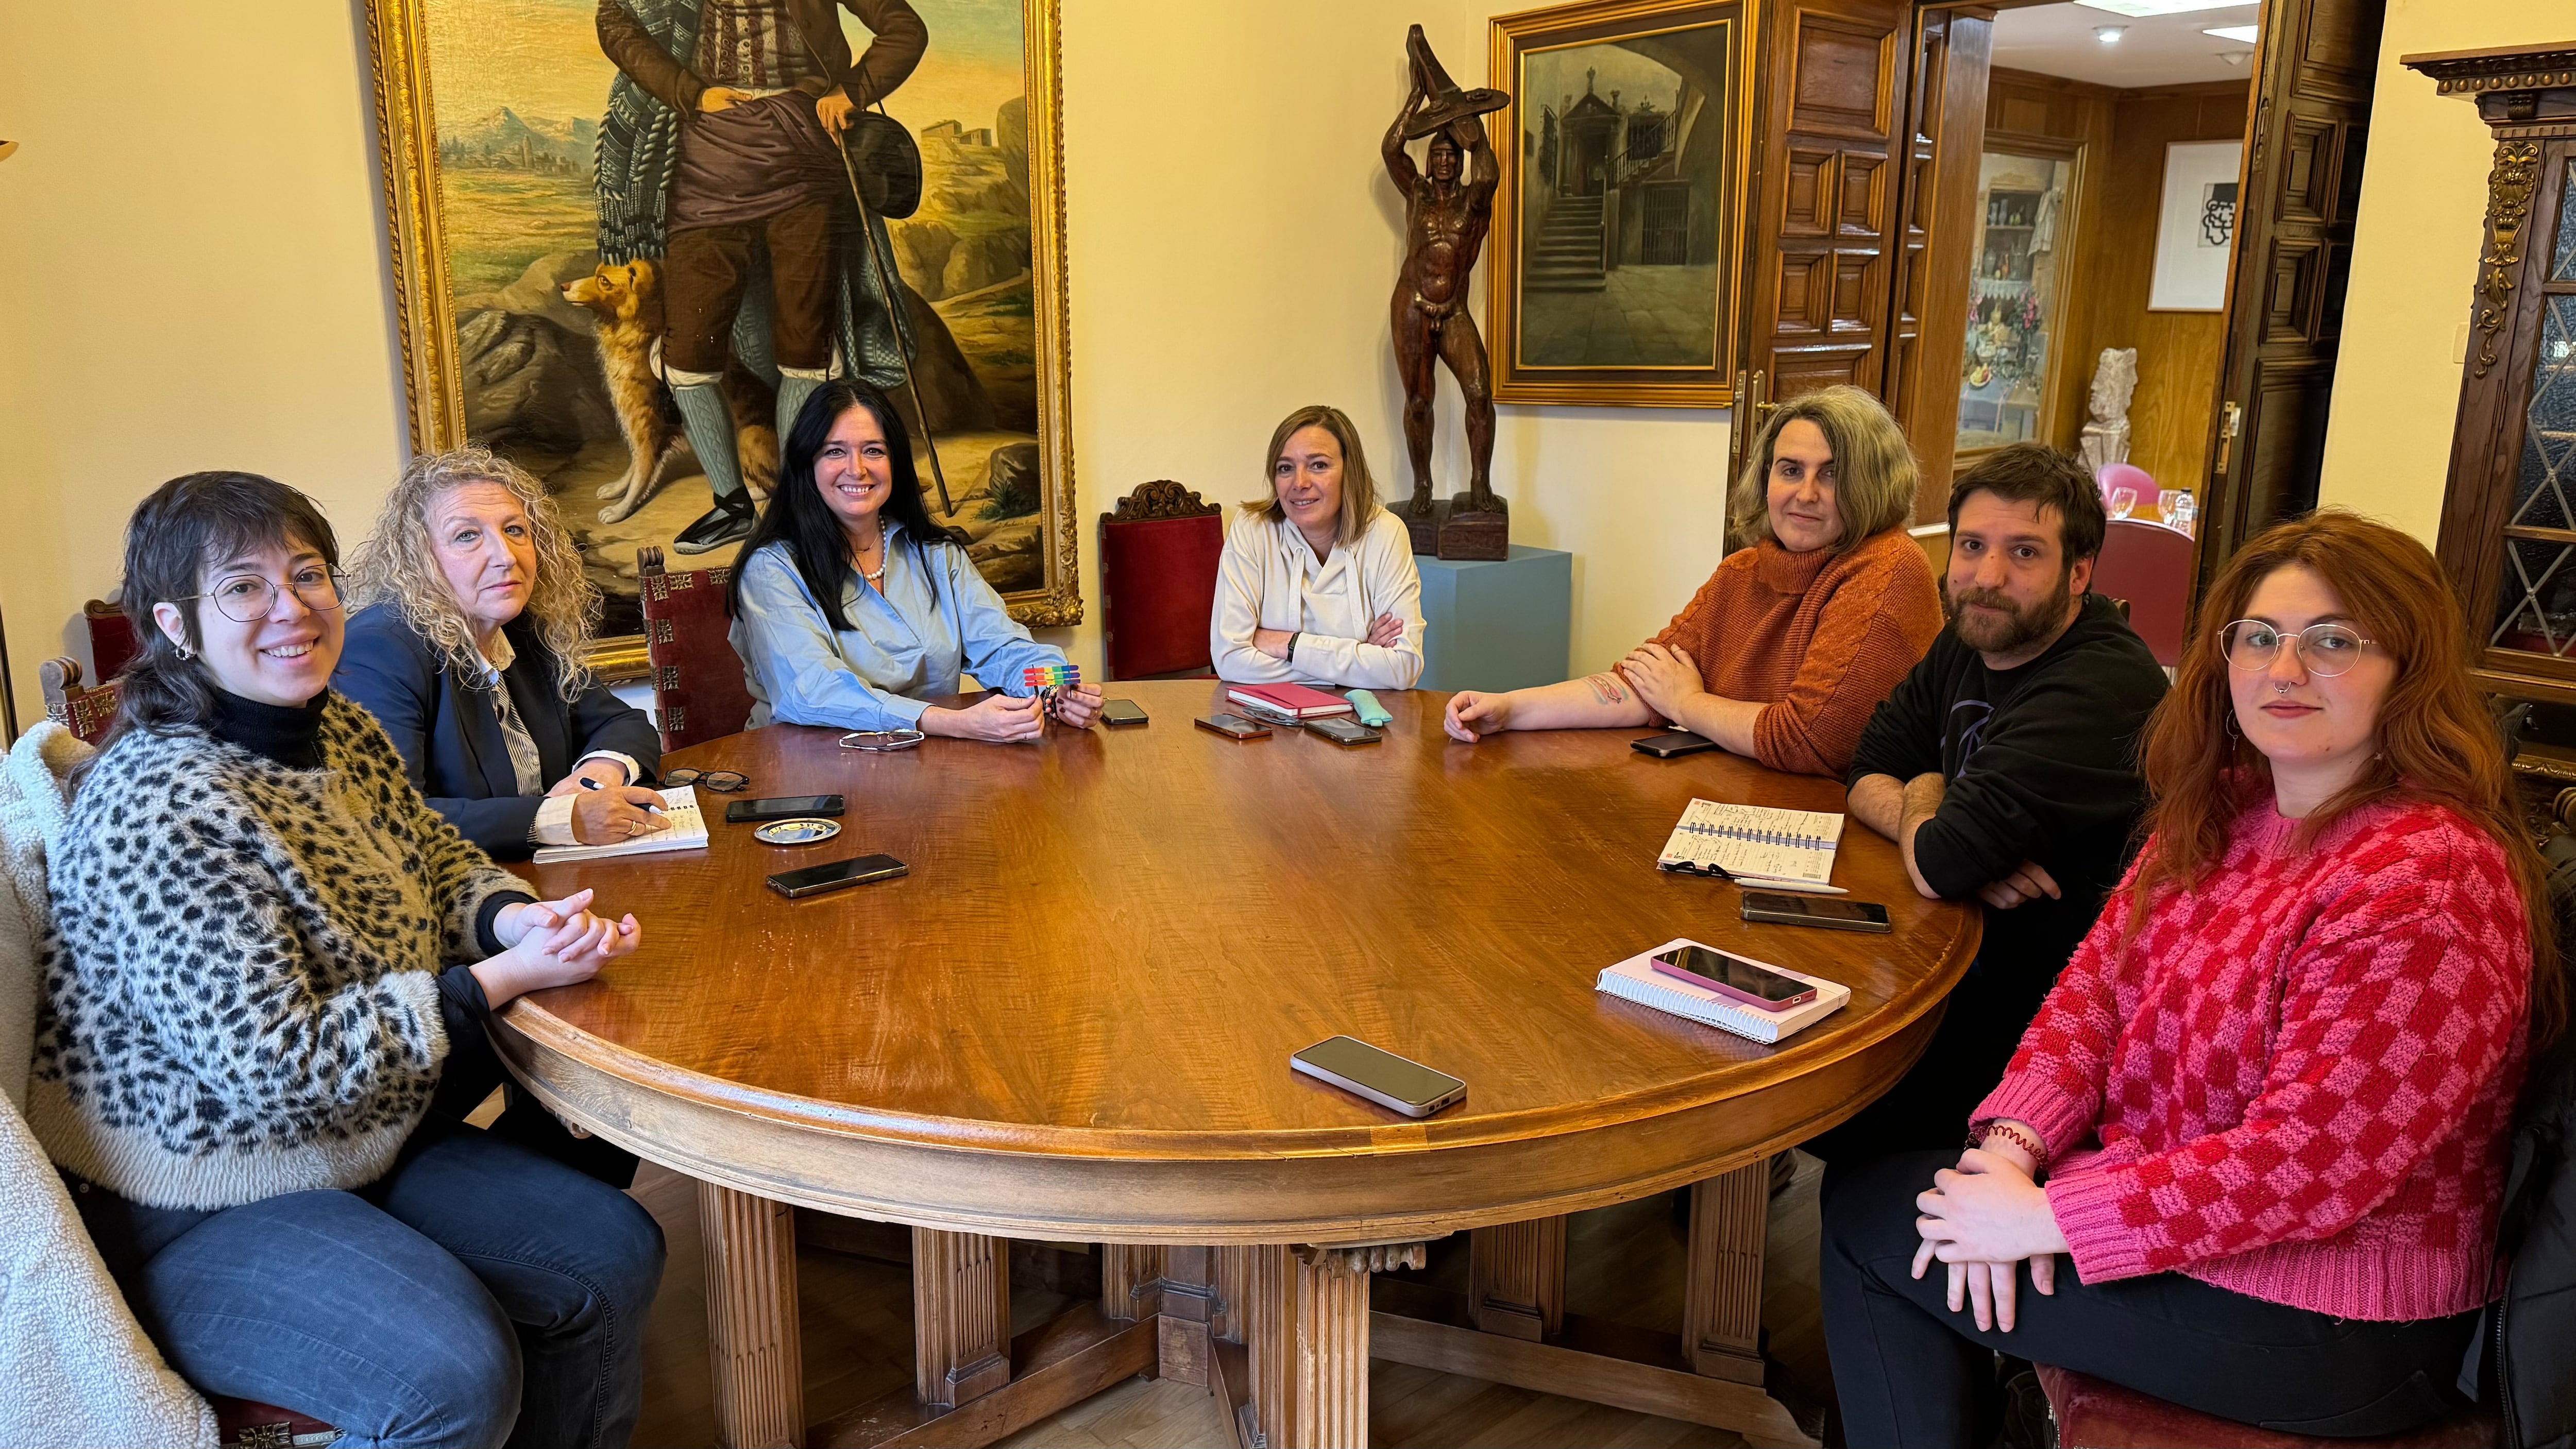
x=1072 y=1022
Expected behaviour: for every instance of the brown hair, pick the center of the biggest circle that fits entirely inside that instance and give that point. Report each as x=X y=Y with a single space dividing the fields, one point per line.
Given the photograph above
x=2438 y=744
x=1359 y=491
x=2038 y=473
x=1874 y=472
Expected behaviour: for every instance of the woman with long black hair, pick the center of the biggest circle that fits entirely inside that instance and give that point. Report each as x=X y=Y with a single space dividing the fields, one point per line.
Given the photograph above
x=851 y=609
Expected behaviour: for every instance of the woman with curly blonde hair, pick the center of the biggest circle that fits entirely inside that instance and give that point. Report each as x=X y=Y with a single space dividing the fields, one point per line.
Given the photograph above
x=473 y=619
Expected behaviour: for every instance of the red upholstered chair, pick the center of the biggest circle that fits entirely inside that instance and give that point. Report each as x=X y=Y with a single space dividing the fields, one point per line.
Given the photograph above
x=2149 y=565
x=1158 y=560
x=698 y=688
x=2092 y=1414
x=112 y=644
x=88 y=711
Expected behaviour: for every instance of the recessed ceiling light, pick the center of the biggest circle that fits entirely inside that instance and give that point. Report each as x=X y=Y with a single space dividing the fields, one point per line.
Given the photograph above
x=2109 y=34
x=2136 y=9
x=2244 y=34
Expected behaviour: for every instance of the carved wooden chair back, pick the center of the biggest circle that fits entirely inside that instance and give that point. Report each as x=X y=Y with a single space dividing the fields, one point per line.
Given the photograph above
x=89 y=711
x=1158 y=567
x=2149 y=565
x=698 y=688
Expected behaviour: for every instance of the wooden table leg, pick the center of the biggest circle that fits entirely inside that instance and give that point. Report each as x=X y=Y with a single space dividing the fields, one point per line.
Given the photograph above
x=1516 y=1278
x=1722 y=1310
x=1322 y=1304
x=961 y=1316
x=757 y=1360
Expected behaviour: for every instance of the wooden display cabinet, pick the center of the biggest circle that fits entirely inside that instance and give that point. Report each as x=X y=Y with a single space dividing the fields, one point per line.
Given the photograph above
x=2508 y=539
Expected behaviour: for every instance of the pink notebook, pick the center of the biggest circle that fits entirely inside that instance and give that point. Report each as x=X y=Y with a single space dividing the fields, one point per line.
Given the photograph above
x=1292 y=699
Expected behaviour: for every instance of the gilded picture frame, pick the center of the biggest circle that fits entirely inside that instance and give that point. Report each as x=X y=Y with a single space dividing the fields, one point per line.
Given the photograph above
x=1616 y=274
x=482 y=202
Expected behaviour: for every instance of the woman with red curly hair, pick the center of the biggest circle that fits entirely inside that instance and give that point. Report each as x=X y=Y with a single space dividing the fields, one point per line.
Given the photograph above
x=2264 y=1111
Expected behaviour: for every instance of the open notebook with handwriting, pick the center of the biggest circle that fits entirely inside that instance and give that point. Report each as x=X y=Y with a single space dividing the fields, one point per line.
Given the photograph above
x=1753 y=840
x=687 y=831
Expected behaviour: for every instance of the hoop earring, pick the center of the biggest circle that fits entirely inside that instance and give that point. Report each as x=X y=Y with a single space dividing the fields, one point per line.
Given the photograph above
x=2233 y=732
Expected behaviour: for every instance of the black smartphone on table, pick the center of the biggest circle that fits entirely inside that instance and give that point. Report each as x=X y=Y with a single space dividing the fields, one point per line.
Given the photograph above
x=813 y=880
x=784 y=807
x=1734 y=977
x=1671 y=743
x=1234 y=727
x=1121 y=712
x=1381 y=1076
x=1342 y=730
x=1781 y=909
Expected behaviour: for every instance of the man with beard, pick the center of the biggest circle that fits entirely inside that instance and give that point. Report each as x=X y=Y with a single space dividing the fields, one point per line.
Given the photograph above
x=2005 y=769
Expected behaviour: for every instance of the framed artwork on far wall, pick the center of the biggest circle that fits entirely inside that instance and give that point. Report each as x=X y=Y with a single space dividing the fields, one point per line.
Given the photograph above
x=2196 y=226
x=1613 y=278
x=538 y=169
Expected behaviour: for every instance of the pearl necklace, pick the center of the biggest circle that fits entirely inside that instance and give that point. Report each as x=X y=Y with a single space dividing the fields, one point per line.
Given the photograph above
x=876 y=580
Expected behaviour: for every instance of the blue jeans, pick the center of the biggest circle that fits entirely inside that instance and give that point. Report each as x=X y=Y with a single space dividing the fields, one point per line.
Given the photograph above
x=477 y=1295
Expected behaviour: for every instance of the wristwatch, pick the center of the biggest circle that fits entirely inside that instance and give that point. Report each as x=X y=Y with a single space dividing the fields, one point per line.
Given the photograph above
x=1293 y=636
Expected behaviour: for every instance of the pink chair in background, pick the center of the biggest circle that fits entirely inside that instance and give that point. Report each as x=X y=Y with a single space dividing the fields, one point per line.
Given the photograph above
x=2149 y=566
x=2140 y=484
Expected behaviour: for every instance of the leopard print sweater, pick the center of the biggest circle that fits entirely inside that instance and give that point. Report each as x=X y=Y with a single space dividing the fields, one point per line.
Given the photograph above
x=240 y=982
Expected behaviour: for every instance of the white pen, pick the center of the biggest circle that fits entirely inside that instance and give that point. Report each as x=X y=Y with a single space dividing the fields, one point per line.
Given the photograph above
x=1773 y=883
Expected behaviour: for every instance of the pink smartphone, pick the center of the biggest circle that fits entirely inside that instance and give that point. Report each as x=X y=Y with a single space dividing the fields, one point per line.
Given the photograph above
x=1735 y=977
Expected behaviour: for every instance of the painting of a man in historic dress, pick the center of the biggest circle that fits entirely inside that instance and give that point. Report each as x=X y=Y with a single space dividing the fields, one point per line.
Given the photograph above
x=721 y=156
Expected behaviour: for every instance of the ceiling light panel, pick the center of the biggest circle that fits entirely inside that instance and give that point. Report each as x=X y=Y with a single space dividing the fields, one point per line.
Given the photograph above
x=2242 y=34
x=2139 y=9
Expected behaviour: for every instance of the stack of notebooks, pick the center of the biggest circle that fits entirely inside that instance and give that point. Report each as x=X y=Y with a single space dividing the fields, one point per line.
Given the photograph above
x=1754 y=843
x=1290 y=702
x=1637 y=980
x=687 y=831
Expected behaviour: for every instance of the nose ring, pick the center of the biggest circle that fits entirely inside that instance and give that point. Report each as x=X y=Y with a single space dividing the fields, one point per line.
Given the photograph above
x=2280 y=688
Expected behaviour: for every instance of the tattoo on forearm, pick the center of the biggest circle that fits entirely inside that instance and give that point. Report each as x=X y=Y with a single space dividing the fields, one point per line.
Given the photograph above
x=1607 y=688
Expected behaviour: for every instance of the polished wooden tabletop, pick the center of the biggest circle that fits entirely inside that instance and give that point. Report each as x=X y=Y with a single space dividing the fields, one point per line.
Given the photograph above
x=1111 y=941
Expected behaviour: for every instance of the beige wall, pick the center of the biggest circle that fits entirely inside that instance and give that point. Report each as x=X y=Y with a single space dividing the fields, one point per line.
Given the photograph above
x=191 y=275
x=2415 y=263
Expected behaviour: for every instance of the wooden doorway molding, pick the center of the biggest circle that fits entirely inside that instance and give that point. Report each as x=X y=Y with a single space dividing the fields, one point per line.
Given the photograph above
x=2316 y=63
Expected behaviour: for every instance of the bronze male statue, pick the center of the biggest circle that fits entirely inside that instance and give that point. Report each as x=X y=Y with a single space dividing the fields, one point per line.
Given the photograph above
x=1445 y=220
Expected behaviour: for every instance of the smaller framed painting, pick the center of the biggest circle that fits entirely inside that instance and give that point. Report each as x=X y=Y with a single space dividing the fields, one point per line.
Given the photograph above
x=1614 y=278
x=2196 y=226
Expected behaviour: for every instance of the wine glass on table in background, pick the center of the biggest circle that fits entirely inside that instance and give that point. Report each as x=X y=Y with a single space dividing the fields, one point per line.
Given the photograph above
x=2123 y=500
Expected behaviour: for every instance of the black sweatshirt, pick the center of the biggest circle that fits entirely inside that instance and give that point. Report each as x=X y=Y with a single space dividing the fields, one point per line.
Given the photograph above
x=2040 y=764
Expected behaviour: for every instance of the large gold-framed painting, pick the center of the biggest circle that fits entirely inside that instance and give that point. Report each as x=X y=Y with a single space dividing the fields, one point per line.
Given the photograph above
x=630 y=235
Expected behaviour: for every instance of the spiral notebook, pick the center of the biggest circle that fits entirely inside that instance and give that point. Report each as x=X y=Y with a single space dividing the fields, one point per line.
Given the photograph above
x=1753 y=840
x=687 y=831
x=1637 y=980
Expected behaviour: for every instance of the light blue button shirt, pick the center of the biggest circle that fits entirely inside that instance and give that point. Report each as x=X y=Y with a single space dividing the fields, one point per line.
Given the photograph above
x=937 y=618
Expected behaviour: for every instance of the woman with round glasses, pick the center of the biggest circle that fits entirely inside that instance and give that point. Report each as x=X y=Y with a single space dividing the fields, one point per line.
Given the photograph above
x=474 y=620
x=263 y=1015
x=2263 y=1116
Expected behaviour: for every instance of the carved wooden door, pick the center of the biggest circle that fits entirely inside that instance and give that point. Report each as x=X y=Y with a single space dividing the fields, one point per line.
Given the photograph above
x=1953 y=49
x=1829 y=142
x=2294 y=220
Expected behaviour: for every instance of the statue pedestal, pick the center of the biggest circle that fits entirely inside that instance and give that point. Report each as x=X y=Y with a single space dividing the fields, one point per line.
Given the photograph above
x=1497 y=624
x=1452 y=532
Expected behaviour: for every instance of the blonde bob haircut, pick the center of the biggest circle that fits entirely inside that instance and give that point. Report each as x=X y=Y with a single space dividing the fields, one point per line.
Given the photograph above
x=1359 y=491
x=398 y=568
x=1874 y=473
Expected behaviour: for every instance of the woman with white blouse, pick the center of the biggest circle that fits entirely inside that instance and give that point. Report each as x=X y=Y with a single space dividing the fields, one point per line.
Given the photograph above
x=1317 y=585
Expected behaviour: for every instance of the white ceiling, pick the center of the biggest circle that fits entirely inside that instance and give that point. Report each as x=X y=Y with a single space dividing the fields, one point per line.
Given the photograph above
x=2157 y=50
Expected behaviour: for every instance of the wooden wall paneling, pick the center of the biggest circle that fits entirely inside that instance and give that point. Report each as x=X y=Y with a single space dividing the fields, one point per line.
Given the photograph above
x=1516 y=1278
x=2178 y=352
x=961 y=1323
x=754 y=1355
x=2077 y=114
x=1938 y=207
x=1722 y=1304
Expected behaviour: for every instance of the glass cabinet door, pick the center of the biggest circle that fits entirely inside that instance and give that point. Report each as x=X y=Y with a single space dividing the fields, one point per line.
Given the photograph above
x=2025 y=230
x=2536 y=610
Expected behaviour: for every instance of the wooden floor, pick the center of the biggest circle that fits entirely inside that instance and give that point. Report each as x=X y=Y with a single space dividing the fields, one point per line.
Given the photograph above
x=1623 y=1262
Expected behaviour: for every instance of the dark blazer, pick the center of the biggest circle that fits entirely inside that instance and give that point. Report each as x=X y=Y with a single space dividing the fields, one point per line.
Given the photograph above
x=450 y=736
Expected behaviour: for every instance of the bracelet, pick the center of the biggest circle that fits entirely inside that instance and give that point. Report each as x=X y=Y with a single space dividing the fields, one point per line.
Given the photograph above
x=2015 y=1136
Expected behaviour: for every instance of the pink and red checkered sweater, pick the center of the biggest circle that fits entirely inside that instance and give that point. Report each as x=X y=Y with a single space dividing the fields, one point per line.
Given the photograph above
x=2294 y=1082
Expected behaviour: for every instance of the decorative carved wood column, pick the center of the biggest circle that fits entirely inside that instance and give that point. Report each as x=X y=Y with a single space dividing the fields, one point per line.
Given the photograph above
x=756 y=1358
x=961 y=1316
x=1722 y=1310
x=1330 y=1408
x=1127 y=1275
x=1516 y=1278
x=1267 y=1322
